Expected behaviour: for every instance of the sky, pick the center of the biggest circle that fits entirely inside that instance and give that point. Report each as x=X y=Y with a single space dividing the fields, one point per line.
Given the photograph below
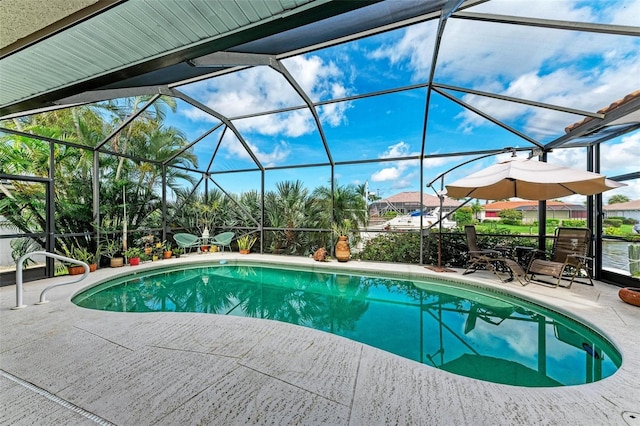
x=583 y=71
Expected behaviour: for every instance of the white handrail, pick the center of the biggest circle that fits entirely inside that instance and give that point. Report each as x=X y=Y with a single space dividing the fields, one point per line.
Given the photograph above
x=19 y=304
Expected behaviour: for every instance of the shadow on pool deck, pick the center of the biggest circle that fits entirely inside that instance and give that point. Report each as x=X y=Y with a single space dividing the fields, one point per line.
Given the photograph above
x=182 y=368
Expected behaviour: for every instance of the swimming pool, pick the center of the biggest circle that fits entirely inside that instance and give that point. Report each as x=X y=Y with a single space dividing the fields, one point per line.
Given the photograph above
x=461 y=329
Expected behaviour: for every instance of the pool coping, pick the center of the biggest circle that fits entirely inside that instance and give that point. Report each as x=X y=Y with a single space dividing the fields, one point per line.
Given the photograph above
x=297 y=375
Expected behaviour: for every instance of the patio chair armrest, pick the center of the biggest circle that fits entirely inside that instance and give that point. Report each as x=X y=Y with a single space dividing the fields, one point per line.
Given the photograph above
x=505 y=251
x=579 y=256
x=485 y=254
x=539 y=254
x=581 y=259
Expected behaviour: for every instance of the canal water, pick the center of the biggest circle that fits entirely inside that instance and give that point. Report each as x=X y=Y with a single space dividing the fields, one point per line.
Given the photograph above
x=615 y=255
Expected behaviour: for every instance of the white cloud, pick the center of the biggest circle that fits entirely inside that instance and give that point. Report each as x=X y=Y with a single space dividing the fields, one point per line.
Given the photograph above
x=415 y=49
x=292 y=124
x=398 y=168
x=401 y=149
x=386 y=174
x=261 y=89
x=404 y=174
x=565 y=68
x=402 y=184
x=198 y=115
x=623 y=156
x=617 y=158
x=395 y=172
x=232 y=148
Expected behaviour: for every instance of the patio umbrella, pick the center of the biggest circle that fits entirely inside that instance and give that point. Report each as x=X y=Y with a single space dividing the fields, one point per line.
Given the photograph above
x=498 y=370
x=530 y=180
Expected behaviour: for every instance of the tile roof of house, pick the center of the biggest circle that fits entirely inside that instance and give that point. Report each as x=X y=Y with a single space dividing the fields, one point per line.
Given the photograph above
x=414 y=197
x=629 y=205
x=631 y=96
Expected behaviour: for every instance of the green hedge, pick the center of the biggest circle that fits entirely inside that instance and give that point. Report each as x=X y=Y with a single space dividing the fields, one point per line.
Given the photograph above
x=575 y=223
x=610 y=222
x=405 y=247
x=625 y=220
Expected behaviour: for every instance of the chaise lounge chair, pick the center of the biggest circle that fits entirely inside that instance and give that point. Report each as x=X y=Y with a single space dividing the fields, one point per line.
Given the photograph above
x=480 y=258
x=491 y=260
x=568 y=258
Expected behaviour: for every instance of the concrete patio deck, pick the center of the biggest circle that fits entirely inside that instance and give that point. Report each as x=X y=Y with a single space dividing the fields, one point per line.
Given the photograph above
x=65 y=365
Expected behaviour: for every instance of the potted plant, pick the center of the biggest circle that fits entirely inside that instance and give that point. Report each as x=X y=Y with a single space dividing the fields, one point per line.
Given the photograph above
x=148 y=242
x=111 y=250
x=246 y=242
x=157 y=251
x=167 y=251
x=78 y=253
x=133 y=255
x=178 y=251
x=93 y=258
x=342 y=230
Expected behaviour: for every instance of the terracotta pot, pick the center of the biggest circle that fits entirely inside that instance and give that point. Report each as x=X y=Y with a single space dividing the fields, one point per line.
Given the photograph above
x=244 y=251
x=343 y=252
x=630 y=295
x=167 y=254
x=204 y=249
x=134 y=261
x=75 y=270
x=93 y=267
x=116 y=262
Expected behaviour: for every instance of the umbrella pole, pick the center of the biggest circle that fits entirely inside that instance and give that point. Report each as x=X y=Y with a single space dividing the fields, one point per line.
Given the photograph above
x=441 y=197
x=439 y=267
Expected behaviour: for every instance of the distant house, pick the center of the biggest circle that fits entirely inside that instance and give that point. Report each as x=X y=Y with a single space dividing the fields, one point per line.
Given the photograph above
x=408 y=202
x=630 y=209
x=529 y=209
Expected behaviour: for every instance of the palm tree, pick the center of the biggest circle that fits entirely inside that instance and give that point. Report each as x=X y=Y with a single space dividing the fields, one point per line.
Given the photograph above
x=348 y=204
x=124 y=108
x=291 y=207
x=24 y=205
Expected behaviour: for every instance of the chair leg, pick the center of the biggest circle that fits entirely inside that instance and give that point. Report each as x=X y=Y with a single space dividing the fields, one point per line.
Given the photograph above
x=471 y=267
x=516 y=271
x=580 y=266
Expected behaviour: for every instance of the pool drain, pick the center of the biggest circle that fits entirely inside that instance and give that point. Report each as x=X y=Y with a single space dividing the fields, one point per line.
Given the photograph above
x=631 y=418
x=57 y=399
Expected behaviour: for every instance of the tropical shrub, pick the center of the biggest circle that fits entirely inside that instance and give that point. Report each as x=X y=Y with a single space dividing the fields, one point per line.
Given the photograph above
x=464 y=216
x=613 y=231
x=127 y=177
x=400 y=247
x=615 y=223
x=625 y=220
x=510 y=217
x=405 y=248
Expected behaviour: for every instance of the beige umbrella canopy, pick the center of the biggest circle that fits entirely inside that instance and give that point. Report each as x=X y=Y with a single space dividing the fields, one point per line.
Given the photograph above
x=530 y=180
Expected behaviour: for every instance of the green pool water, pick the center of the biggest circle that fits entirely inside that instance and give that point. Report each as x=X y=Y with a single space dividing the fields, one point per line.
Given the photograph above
x=461 y=329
